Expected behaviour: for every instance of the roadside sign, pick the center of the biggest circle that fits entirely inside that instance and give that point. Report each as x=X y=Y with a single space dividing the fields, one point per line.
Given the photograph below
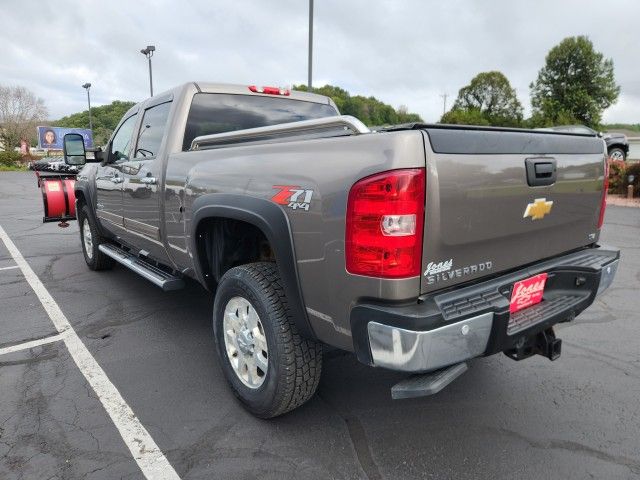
x=51 y=137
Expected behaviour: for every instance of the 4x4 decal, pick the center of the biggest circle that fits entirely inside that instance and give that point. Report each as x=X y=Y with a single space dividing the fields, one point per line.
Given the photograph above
x=293 y=197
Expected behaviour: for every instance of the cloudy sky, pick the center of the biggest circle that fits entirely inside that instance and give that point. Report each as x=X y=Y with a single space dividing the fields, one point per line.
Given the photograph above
x=401 y=51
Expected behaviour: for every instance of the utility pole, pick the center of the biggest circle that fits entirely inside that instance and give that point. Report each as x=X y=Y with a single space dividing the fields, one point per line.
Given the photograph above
x=310 y=43
x=148 y=52
x=87 y=86
x=444 y=106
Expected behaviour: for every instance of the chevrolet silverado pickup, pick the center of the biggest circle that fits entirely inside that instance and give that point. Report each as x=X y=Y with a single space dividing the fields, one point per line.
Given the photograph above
x=416 y=247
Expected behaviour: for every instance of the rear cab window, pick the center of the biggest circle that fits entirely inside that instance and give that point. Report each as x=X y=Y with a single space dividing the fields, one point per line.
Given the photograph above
x=218 y=113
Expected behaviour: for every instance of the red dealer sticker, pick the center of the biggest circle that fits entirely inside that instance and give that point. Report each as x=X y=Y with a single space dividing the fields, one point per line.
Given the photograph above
x=527 y=292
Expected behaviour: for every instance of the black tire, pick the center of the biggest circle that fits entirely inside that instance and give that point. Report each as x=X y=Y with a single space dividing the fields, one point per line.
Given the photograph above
x=96 y=260
x=294 y=364
x=618 y=153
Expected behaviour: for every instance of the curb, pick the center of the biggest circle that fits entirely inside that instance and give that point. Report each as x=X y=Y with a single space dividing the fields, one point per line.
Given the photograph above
x=621 y=201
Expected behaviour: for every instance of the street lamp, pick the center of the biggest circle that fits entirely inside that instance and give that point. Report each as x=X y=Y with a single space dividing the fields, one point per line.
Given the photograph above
x=310 y=43
x=87 y=86
x=148 y=52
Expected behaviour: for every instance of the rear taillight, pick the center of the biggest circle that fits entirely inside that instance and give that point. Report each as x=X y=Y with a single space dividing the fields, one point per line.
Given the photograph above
x=385 y=218
x=270 y=90
x=605 y=187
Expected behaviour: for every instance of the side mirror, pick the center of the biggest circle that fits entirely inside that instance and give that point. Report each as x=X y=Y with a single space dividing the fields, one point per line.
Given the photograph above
x=100 y=155
x=73 y=148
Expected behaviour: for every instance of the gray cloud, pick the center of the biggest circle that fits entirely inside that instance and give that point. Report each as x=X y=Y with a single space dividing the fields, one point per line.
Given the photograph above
x=403 y=51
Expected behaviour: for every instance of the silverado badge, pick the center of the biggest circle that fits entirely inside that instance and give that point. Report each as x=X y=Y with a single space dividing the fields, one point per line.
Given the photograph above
x=538 y=209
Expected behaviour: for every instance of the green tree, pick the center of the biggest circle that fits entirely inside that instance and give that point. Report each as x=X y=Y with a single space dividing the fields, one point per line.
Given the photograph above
x=104 y=118
x=488 y=100
x=471 y=116
x=576 y=84
x=368 y=110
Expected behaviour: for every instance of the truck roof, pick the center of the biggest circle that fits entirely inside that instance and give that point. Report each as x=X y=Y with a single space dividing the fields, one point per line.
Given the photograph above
x=228 y=88
x=236 y=89
x=212 y=87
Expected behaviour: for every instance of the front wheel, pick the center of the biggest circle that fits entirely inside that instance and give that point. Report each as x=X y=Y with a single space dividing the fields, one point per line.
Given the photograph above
x=268 y=365
x=91 y=240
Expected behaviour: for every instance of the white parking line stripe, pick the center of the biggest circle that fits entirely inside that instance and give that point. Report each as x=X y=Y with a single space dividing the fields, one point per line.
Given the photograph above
x=10 y=268
x=33 y=343
x=150 y=459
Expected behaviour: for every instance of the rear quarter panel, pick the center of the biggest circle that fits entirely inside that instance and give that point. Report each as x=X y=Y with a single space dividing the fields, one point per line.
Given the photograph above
x=328 y=167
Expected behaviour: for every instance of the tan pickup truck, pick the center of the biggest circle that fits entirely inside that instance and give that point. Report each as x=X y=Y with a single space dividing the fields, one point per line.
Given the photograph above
x=417 y=247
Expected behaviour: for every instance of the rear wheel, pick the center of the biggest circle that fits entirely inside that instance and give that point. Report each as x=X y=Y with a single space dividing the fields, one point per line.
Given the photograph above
x=268 y=365
x=91 y=240
x=617 y=154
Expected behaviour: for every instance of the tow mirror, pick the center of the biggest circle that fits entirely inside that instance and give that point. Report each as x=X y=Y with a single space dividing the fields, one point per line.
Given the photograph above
x=73 y=148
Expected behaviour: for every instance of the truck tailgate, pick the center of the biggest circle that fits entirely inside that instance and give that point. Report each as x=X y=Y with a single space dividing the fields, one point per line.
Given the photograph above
x=485 y=214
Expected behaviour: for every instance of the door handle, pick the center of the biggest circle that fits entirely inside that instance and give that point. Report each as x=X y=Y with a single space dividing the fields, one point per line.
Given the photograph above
x=149 y=180
x=116 y=179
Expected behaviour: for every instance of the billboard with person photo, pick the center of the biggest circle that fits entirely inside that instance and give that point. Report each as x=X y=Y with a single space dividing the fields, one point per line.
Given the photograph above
x=51 y=137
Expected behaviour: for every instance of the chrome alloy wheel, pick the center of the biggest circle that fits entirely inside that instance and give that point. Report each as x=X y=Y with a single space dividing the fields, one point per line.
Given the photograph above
x=245 y=342
x=87 y=239
x=617 y=155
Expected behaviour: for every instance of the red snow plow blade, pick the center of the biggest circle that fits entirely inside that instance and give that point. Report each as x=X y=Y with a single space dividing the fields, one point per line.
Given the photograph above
x=58 y=197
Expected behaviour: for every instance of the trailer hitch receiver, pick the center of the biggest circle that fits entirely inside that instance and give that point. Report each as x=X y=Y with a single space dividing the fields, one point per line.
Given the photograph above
x=543 y=343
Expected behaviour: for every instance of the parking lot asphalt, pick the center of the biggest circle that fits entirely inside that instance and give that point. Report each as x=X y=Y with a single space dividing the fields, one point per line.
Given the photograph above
x=577 y=417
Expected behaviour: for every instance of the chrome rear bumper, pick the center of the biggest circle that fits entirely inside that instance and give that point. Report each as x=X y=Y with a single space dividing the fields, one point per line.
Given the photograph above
x=411 y=351
x=397 y=348
x=607 y=276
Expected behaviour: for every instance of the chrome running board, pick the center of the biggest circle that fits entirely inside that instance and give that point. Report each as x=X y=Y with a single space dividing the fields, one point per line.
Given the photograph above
x=158 y=277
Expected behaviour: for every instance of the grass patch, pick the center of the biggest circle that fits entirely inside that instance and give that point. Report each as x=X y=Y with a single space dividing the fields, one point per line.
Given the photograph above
x=13 y=168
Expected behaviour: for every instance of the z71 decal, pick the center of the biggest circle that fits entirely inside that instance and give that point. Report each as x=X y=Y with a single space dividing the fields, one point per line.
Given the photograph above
x=293 y=197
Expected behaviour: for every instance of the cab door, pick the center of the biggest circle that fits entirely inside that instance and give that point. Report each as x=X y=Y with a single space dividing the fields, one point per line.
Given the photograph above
x=110 y=180
x=141 y=187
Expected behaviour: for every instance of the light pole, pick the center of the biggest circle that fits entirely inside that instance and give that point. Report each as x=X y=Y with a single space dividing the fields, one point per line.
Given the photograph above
x=87 y=86
x=310 y=43
x=148 y=52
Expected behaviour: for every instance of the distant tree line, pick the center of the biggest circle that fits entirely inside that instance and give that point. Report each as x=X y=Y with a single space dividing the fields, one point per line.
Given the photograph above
x=575 y=86
x=104 y=119
x=633 y=127
x=369 y=110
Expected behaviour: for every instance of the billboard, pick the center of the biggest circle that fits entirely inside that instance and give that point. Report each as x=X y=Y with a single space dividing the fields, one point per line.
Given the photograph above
x=51 y=137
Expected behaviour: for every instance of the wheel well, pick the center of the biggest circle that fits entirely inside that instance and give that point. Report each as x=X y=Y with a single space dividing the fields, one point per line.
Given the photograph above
x=224 y=243
x=616 y=145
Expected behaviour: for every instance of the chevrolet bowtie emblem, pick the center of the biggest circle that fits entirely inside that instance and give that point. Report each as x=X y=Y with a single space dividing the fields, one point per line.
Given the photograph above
x=538 y=209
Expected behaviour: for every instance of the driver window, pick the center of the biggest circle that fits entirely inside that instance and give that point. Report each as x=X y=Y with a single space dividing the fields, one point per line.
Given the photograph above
x=122 y=139
x=152 y=130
